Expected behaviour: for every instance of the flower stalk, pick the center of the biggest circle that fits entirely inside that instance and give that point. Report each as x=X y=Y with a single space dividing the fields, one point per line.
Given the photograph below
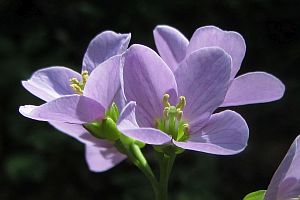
x=166 y=165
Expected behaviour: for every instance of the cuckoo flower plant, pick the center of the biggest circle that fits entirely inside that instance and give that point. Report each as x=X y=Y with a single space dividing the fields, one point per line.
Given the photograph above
x=179 y=105
x=285 y=184
x=93 y=104
x=253 y=87
x=54 y=82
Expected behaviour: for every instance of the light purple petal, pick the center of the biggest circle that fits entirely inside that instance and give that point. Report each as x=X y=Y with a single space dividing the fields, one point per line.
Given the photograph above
x=285 y=183
x=254 y=87
x=102 y=159
x=104 y=46
x=104 y=82
x=128 y=126
x=232 y=42
x=51 y=83
x=203 y=79
x=127 y=119
x=78 y=132
x=171 y=45
x=146 y=79
x=226 y=133
x=72 y=109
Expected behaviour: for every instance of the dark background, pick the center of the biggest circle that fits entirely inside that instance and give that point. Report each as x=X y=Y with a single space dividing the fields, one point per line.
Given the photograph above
x=37 y=162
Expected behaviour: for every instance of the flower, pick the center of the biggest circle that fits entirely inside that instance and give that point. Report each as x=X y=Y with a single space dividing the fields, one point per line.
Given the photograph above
x=249 y=88
x=52 y=83
x=201 y=83
x=285 y=184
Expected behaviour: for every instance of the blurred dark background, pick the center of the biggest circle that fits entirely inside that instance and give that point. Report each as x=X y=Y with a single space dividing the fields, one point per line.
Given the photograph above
x=38 y=162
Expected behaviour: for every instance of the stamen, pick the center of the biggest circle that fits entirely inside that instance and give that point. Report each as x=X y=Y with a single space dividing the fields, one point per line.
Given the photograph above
x=182 y=103
x=165 y=100
x=85 y=76
x=186 y=128
x=179 y=114
x=166 y=112
x=74 y=81
x=78 y=86
x=76 y=89
x=172 y=121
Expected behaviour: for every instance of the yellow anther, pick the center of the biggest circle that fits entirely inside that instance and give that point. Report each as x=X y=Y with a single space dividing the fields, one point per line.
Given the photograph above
x=76 y=88
x=181 y=104
x=179 y=114
x=165 y=100
x=74 y=81
x=85 y=76
x=186 y=128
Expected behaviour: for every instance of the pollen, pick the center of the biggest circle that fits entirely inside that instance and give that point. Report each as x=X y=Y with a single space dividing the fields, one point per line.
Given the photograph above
x=78 y=86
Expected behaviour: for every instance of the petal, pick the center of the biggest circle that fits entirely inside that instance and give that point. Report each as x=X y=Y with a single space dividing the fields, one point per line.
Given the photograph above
x=104 y=82
x=171 y=45
x=226 y=133
x=285 y=181
x=128 y=126
x=104 y=46
x=203 y=79
x=72 y=109
x=51 y=83
x=254 y=87
x=78 y=132
x=232 y=42
x=146 y=79
x=102 y=159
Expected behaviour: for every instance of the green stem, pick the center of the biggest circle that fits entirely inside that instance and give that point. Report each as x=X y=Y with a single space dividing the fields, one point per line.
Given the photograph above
x=166 y=164
x=139 y=160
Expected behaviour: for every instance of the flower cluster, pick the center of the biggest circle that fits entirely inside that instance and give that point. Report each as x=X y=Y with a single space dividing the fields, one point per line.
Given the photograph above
x=125 y=97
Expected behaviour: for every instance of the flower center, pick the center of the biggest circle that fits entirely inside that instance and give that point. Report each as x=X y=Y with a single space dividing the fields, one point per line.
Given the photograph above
x=172 y=122
x=78 y=86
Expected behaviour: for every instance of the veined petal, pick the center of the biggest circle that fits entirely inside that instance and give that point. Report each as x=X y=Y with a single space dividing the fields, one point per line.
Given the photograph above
x=285 y=183
x=128 y=126
x=171 y=45
x=104 y=46
x=104 y=82
x=51 y=83
x=226 y=133
x=254 y=87
x=102 y=159
x=203 y=79
x=146 y=79
x=72 y=109
x=232 y=42
x=79 y=133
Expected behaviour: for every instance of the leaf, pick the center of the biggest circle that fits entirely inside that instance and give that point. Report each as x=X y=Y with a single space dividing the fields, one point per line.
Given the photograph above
x=258 y=195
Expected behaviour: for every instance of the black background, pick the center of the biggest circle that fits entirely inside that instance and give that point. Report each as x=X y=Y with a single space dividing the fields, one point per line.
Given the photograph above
x=38 y=162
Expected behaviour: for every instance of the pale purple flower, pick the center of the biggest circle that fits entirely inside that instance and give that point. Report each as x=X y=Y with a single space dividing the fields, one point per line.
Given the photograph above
x=52 y=83
x=200 y=83
x=253 y=87
x=285 y=184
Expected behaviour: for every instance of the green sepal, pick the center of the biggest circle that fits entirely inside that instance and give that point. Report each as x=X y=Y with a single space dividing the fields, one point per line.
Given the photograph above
x=124 y=143
x=127 y=141
x=168 y=149
x=104 y=129
x=258 y=195
x=113 y=112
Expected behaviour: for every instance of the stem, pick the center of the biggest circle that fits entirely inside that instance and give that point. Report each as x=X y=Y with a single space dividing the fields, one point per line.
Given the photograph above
x=140 y=161
x=166 y=164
